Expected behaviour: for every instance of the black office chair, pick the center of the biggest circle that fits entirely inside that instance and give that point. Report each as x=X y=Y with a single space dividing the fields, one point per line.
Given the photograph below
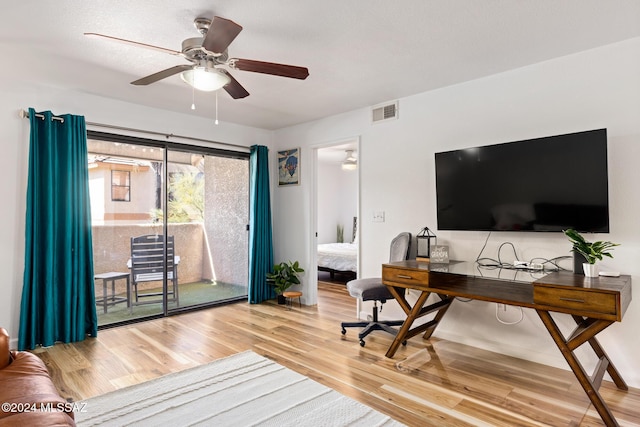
x=373 y=289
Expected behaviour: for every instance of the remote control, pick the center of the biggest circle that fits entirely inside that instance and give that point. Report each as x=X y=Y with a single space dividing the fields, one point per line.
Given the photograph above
x=610 y=273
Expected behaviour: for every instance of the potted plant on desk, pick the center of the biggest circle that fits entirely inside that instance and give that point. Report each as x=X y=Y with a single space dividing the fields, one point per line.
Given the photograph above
x=592 y=252
x=283 y=277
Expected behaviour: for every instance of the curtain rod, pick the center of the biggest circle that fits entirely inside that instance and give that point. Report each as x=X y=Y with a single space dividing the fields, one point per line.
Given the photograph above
x=25 y=115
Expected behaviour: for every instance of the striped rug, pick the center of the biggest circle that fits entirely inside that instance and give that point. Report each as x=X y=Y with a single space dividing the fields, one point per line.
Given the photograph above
x=245 y=389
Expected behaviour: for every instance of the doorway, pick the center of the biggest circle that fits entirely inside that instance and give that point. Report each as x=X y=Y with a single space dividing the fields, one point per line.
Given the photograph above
x=337 y=211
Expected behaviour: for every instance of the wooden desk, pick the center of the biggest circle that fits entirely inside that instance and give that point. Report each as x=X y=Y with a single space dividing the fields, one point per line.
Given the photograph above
x=594 y=304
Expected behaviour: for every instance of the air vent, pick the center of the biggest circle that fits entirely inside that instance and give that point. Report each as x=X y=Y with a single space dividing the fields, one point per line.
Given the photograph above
x=381 y=113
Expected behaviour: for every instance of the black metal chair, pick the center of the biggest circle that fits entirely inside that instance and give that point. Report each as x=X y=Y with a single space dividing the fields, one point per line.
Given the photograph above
x=372 y=289
x=148 y=265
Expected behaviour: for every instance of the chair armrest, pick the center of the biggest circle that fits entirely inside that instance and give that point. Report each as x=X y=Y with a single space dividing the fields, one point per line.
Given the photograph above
x=5 y=356
x=176 y=261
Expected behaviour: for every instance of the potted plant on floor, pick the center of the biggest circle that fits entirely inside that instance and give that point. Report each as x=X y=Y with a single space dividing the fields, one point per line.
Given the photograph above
x=592 y=252
x=284 y=276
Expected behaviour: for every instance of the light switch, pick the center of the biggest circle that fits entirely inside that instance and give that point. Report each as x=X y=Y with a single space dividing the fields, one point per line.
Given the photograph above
x=378 y=216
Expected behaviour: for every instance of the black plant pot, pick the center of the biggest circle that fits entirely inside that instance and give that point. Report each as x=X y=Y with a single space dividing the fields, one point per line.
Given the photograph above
x=578 y=260
x=281 y=299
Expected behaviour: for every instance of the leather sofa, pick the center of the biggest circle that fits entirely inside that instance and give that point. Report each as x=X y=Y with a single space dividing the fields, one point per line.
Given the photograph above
x=27 y=393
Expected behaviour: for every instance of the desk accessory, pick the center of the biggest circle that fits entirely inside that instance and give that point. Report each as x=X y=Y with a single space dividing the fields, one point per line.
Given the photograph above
x=423 y=241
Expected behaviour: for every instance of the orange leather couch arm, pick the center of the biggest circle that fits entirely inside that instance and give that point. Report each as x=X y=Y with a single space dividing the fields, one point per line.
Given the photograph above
x=5 y=356
x=24 y=378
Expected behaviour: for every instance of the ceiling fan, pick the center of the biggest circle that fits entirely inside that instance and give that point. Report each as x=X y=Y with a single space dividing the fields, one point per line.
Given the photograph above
x=207 y=54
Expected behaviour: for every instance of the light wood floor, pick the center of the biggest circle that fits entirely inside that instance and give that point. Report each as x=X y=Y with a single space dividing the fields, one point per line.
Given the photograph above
x=433 y=383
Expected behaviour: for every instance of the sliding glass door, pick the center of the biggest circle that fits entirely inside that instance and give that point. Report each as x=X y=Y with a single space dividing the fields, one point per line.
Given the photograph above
x=169 y=227
x=208 y=213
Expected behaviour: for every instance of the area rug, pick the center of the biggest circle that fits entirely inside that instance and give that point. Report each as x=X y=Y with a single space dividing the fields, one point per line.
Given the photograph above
x=245 y=389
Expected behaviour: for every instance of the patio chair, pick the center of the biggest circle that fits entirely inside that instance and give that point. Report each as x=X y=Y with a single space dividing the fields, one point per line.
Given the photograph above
x=148 y=264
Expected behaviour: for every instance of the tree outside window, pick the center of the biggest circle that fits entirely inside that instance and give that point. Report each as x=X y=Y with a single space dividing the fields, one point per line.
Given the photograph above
x=186 y=198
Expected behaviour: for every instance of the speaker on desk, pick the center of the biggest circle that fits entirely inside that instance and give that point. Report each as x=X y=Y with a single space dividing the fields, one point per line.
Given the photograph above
x=578 y=260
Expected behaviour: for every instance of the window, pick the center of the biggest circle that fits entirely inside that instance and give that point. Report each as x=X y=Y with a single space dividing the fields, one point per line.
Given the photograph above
x=120 y=186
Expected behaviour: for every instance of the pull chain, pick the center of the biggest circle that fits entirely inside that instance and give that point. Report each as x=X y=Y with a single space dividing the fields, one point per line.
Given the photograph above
x=193 y=94
x=216 y=122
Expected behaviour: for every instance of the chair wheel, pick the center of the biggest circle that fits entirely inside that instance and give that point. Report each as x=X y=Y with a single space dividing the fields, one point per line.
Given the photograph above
x=361 y=343
x=404 y=343
x=344 y=331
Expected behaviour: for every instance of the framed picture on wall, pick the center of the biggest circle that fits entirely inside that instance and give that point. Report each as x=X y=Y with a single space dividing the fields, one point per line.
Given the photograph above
x=289 y=167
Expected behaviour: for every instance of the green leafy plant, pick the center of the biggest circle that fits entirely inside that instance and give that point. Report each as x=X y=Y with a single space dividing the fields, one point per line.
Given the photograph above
x=284 y=276
x=186 y=199
x=592 y=252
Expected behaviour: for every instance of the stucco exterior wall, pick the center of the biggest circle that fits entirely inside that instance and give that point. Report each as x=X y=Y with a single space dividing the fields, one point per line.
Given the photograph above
x=112 y=249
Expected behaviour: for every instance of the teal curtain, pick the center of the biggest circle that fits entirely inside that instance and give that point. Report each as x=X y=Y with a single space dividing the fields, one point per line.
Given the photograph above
x=260 y=234
x=58 y=301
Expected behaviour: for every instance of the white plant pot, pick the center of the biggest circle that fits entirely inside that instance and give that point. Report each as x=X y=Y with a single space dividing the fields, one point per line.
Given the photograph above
x=590 y=270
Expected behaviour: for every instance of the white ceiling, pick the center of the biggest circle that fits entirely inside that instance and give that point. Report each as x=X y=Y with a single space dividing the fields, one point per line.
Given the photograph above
x=359 y=52
x=337 y=153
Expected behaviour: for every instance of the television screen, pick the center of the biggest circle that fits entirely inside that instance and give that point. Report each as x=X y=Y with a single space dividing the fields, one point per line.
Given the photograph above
x=543 y=184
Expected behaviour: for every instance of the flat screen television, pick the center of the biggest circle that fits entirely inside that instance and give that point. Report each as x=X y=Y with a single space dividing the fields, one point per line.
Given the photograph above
x=543 y=184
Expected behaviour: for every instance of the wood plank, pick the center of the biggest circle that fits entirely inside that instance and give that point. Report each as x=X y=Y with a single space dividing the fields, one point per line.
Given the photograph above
x=427 y=383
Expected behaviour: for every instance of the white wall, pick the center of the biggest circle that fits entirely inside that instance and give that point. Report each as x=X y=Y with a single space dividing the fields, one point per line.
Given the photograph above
x=337 y=201
x=594 y=89
x=14 y=142
x=599 y=88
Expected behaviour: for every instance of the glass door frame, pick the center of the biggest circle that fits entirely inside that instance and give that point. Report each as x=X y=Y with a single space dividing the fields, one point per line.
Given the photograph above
x=167 y=146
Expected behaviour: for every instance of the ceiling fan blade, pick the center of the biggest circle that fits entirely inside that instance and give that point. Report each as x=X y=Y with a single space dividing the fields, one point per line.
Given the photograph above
x=131 y=42
x=220 y=34
x=269 y=68
x=233 y=88
x=161 y=75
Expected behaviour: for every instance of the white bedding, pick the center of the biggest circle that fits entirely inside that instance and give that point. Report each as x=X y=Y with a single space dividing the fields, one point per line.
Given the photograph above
x=338 y=256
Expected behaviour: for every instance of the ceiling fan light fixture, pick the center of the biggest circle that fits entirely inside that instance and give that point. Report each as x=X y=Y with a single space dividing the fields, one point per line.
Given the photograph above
x=205 y=79
x=350 y=163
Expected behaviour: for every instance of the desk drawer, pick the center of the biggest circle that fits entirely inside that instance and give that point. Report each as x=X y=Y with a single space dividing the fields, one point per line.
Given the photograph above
x=576 y=299
x=404 y=276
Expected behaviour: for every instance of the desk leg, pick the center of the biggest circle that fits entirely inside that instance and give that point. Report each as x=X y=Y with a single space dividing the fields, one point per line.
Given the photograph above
x=415 y=312
x=599 y=351
x=584 y=379
x=412 y=315
x=442 y=307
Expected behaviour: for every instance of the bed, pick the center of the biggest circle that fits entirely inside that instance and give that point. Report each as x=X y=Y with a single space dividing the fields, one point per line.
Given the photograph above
x=338 y=258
